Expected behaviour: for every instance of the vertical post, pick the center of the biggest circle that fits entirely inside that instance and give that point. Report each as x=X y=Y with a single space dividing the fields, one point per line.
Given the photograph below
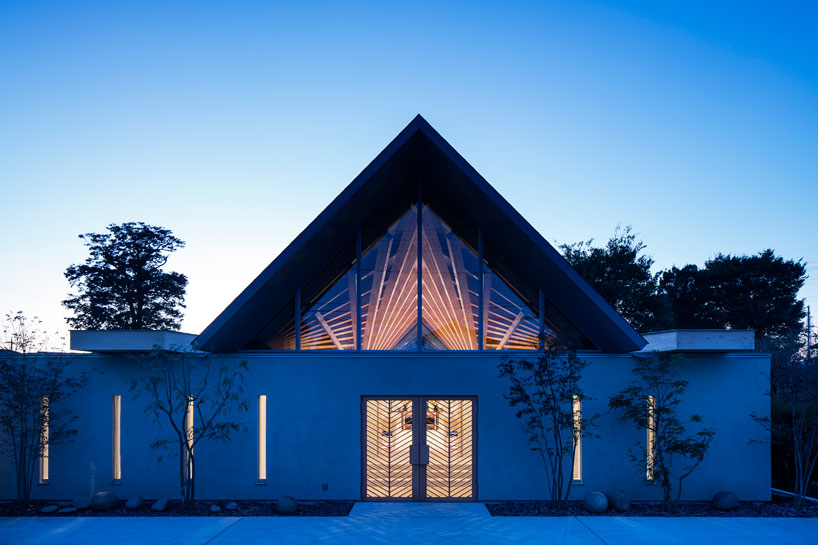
x=809 y=333
x=298 y=319
x=480 y=294
x=541 y=340
x=358 y=325
x=420 y=266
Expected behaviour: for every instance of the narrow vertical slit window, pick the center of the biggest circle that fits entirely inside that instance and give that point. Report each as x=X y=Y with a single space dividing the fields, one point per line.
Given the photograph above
x=116 y=462
x=44 y=419
x=577 y=431
x=189 y=437
x=651 y=439
x=262 y=438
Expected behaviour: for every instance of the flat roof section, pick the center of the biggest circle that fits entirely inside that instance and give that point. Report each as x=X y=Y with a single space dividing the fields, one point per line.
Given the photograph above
x=109 y=341
x=699 y=340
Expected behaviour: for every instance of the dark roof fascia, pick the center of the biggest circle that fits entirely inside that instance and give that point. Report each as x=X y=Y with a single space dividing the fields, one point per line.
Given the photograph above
x=205 y=339
x=627 y=339
x=611 y=315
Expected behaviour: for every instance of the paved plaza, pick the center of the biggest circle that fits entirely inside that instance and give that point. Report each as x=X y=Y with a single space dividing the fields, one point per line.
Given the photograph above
x=407 y=523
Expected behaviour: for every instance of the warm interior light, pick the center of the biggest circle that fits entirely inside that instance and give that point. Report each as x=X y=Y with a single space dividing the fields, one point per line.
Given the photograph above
x=116 y=462
x=189 y=437
x=651 y=446
x=262 y=438
x=577 y=414
x=45 y=415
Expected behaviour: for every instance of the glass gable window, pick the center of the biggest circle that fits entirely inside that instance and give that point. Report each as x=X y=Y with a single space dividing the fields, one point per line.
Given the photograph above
x=389 y=288
x=450 y=290
x=374 y=305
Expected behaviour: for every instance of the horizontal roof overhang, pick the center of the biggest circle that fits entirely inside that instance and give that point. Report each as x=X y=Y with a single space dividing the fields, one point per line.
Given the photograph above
x=420 y=159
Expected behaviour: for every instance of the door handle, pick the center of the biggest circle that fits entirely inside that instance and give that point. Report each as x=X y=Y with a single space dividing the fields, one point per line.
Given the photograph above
x=419 y=455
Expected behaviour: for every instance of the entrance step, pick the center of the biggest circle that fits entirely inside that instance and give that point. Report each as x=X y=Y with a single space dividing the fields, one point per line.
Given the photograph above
x=419 y=509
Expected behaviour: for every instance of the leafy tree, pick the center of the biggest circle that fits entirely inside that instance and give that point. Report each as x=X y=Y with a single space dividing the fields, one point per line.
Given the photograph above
x=184 y=391
x=122 y=285
x=621 y=274
x=33 y=383
x=544 y=390
x=651 y=403
x=740 y=292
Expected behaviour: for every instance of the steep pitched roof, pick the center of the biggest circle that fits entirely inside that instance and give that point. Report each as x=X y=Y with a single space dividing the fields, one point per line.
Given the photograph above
x=419 y=156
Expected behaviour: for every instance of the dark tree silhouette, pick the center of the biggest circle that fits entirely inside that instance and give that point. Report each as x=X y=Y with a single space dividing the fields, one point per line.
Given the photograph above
x=185 y=391
x=545 y=389
x=621 y=274
x=651 y=403
x=122 y=285
x=741 y=292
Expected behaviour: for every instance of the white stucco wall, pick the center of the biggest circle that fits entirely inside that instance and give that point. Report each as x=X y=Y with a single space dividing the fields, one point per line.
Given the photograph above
x=314 y=428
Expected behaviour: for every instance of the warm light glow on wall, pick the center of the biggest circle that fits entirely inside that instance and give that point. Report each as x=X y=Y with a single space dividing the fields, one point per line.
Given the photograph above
x=651 y=447
x=189 y=437
x=116 y=462
x=576 y=409
x=262 y=438
x=45 y=415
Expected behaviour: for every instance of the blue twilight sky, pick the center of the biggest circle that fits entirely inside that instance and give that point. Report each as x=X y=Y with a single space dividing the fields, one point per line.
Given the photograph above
x=236 y=123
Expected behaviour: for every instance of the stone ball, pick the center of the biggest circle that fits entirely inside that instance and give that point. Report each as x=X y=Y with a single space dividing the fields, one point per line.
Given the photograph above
x=725 y=500
x=595 y=502
x=618 y=499
x=103 y=501
x=287 y=505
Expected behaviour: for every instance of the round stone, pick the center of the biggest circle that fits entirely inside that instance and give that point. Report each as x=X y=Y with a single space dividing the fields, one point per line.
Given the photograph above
x=49 y=509
x=215 y=508
x=725 y=500
x=135 y=502
x=160 y=505
x=103 y=501
x=618 y=499
x=287 y=506
x=232 y=506
x=595 y=502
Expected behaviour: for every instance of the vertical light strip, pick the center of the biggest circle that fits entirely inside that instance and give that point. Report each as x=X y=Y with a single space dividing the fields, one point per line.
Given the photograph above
x=480 y=294
x=359 y=328
x=262 y=438
x=298 y=319
x=45 y=415
x=116 y=462
x=577 y=414
x=651 y=447
x=420 y=267
x=189 y=437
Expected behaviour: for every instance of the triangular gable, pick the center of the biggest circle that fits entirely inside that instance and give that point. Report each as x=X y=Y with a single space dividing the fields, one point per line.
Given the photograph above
x=418 y=159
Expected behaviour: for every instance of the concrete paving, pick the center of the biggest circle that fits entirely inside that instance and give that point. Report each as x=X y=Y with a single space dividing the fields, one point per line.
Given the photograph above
x=407 y=523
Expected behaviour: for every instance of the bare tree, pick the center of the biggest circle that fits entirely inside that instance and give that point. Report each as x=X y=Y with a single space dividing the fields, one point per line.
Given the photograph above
x=33 y=383
x=794 y=422
x=651 y=403
x=195 y=400
x=545 y=390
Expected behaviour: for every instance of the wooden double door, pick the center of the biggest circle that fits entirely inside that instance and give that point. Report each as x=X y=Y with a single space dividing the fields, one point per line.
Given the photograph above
x=419 y=448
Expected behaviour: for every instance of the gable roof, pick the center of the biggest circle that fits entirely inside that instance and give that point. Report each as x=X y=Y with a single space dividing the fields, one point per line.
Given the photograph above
x=419 y=156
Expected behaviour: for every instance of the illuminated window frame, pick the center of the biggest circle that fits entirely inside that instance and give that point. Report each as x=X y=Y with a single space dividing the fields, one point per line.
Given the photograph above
x=189 y=409
x=650 y=455
x=576 y=412
x=45 y=415
x=116 y=461
x=262 y=439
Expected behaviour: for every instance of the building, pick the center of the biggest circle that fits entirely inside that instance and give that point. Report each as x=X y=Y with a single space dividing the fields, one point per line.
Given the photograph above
x=393 y=307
